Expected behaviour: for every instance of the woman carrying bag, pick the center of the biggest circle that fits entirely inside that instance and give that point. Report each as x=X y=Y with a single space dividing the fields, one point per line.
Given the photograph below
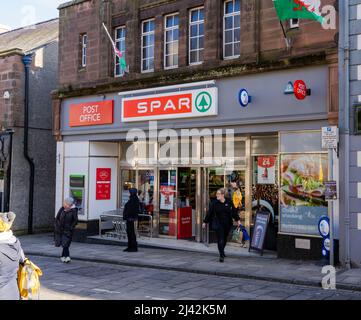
x=220 y=215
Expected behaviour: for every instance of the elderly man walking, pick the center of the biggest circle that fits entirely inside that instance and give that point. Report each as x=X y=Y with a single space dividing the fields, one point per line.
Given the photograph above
x=65 y=222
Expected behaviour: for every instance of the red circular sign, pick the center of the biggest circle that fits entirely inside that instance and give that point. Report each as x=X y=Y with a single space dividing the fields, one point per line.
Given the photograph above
x=300 y=89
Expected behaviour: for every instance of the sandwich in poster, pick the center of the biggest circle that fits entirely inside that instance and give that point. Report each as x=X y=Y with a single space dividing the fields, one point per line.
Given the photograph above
x=302 y=178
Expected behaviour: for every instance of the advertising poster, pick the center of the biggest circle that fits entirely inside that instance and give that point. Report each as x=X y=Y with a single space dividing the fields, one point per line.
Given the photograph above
x=166 y=197
x=103 y=183
x=266 y=170
x=303 y=192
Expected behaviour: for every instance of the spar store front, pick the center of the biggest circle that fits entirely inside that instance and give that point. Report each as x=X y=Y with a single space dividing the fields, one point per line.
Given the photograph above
x=275 y=158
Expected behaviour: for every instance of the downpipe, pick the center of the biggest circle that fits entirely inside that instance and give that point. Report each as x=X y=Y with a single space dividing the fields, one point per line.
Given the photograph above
x=27 y=59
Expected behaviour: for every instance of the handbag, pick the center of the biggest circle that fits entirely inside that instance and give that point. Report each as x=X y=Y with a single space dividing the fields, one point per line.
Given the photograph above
x=28 y=280
x=236 y=234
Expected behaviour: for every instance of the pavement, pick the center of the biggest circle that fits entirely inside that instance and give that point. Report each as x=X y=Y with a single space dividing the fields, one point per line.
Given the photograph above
x=246 y=267
x=83 y=280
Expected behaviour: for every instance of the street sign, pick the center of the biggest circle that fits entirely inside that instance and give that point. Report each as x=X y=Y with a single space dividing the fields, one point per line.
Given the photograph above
x=331 y=190
x=329 y=137
x=300 y=89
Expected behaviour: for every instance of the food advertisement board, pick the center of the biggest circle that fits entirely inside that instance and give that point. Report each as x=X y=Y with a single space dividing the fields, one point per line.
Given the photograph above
x=302 y=195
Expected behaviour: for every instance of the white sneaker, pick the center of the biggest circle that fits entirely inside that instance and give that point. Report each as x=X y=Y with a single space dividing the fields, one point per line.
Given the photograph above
x=67 y=259
x=62 y=259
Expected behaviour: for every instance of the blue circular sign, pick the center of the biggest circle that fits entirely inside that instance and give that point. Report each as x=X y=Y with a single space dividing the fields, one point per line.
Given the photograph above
x=244 y=98
x=324 y=226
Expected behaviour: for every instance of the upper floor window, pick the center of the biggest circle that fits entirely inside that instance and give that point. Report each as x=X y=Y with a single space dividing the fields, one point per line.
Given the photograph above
x=148 y=45
x=171 y=36
x=196 y=35
x=84 y=43
x=294 y=23
x=120 y=44
x=232 y=29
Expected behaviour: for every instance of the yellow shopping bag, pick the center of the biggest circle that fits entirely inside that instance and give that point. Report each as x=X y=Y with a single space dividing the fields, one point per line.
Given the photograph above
x=28 y=280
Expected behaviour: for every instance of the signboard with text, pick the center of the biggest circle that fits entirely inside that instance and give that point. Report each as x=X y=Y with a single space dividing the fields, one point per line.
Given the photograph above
x=266 y=170
x=103 y=183
x=167 y=197
x=260 y=231
x=185 y=104
x=91 y=113
x=329 y=137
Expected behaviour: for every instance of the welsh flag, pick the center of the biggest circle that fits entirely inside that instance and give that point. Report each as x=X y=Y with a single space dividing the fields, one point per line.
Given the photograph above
x=299 y=9
x=118 y=54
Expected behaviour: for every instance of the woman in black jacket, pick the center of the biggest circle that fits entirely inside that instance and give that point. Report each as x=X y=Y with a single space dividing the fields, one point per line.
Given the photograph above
x=130 y=214
x=220 y=215
x=65 y=222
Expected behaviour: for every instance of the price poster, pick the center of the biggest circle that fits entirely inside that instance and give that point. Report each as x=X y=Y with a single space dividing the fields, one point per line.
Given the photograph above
x=103 y=183
x=166 y=197
x=266 y=170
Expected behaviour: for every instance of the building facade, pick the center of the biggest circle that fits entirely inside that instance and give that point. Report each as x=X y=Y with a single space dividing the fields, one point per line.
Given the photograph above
x=350 y=89
x=208 y=72
x=28 y=56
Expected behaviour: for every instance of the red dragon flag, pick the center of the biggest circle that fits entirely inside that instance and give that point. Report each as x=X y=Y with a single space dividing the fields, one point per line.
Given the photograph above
x=299 y=9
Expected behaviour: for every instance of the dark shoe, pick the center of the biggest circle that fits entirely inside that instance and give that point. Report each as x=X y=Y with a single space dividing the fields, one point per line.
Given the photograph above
x=126 y=250
x=132 y=250
x=221 y=259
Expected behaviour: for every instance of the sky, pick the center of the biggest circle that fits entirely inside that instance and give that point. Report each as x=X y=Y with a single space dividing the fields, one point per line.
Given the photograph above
x=21 y=13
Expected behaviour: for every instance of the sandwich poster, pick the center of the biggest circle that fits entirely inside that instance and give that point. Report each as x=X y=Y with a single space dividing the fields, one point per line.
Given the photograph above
x=302 y=195
x=266 y=170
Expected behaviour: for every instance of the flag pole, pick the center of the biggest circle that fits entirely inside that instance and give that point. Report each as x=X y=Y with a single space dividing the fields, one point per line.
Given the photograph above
x=285 y=35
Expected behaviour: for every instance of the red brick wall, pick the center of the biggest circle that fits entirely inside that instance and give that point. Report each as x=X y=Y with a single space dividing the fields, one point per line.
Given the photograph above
x=261 y=37
x=11 y=71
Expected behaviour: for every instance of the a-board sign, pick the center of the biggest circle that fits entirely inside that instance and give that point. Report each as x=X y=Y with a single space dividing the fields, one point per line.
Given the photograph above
x=259 y=231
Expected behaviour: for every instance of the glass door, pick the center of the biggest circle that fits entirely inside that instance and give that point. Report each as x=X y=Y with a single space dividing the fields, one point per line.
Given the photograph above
x=167 y=203
x=128 y=181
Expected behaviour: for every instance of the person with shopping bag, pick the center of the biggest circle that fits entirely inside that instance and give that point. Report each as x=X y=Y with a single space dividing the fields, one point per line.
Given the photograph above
x=11 y=256
x=220 y=216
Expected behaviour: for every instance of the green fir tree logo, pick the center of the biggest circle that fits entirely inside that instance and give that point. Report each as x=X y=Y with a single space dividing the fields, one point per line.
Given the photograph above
x=203 y=101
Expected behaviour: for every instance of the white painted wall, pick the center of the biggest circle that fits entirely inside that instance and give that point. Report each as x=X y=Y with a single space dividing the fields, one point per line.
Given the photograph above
x=59 y=180
x=97 y=207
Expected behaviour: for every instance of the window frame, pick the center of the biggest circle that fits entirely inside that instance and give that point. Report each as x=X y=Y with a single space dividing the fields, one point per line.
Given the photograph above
x=116 y=41
x=171 y=42
x=142 y=43
x=190 y=38
x=84 y=50
x=226 y=15
x=294 y=25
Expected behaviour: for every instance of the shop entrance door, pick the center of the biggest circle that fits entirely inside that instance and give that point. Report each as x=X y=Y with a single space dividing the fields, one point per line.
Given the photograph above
x=232 y=181
x=167 y=203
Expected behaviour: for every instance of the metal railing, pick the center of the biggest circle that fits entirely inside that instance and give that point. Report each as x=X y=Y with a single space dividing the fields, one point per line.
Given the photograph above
x=112 y=225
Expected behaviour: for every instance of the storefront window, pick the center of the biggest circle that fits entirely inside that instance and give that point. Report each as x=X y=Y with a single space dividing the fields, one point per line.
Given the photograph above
x=264 y=145
x=146 y=190
x=303 y=192
x=297 y=142
x=167 y=202
x=128 y=178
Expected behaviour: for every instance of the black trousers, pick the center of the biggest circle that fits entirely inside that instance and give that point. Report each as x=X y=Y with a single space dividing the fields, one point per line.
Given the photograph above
x=222 y=237
x=132 y=240
x=66 y=252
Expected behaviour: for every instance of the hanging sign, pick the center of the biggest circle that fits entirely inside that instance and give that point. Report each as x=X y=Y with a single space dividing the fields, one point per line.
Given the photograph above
x=266 y=170
x=103 y=183
x=167 y=197
x=91 y=113
x=244 y=98
x=185 y=104
x=300 y=90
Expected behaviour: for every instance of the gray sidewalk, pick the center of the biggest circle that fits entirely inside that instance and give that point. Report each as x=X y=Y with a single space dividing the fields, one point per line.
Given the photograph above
x=248 y=267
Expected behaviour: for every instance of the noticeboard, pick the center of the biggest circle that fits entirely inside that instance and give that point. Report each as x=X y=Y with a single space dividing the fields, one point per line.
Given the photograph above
x=259 y=231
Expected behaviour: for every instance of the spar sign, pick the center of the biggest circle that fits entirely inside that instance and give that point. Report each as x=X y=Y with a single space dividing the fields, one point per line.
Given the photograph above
x=184 y=104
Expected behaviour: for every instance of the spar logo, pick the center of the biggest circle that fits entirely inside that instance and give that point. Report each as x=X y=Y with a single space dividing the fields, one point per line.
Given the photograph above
x=203 y=102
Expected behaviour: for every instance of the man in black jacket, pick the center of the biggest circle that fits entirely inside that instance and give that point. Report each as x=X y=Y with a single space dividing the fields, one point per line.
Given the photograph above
x=220 y=215
x=130 y=214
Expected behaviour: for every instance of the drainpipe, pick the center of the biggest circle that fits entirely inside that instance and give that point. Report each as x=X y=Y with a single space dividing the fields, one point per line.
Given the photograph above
x=344 y=119
x=27 y=59
x=8 y=172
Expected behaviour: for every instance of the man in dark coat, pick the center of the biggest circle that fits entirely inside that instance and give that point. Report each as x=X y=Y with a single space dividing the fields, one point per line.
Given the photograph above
x=220 y=215
x=130 y=215
x=65 y=222
x=11 y=255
